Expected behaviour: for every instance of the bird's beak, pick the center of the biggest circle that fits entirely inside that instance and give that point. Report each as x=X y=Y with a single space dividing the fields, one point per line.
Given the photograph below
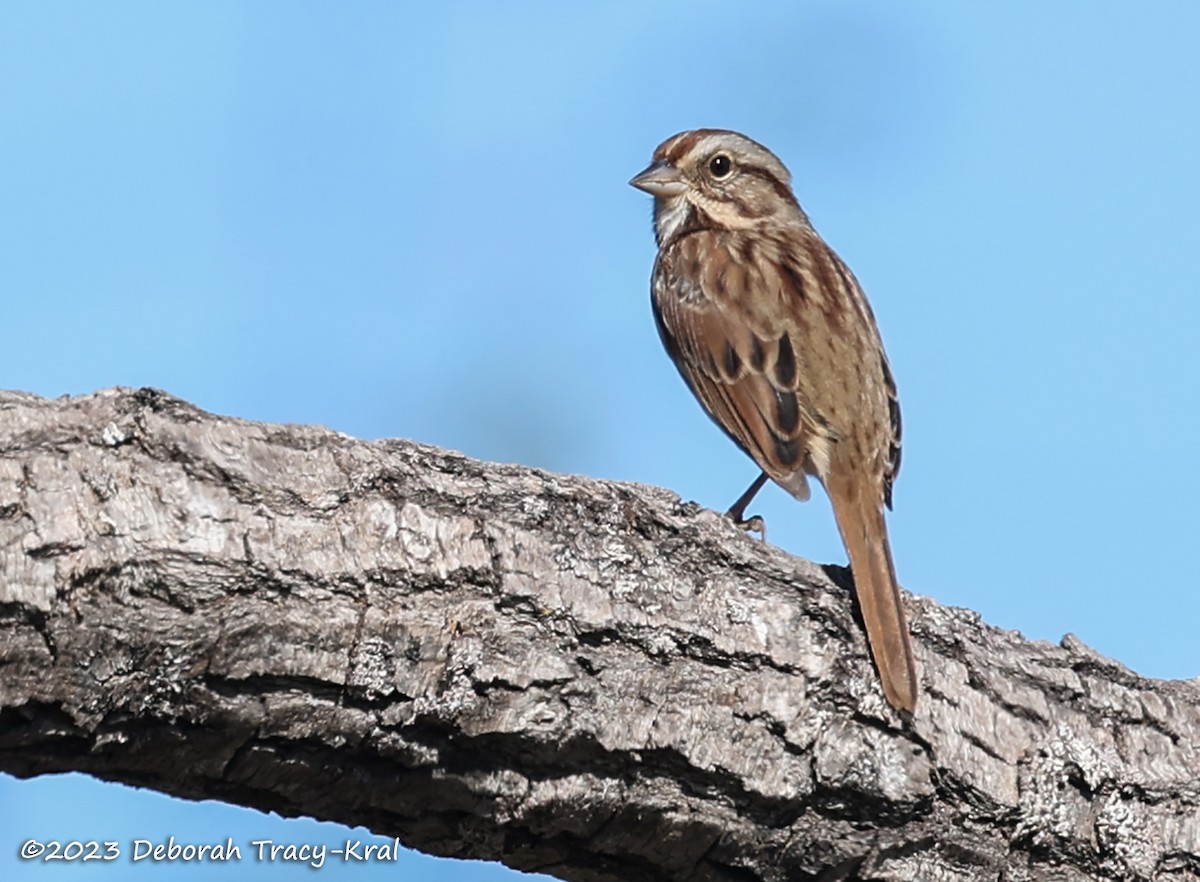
x=660 y=179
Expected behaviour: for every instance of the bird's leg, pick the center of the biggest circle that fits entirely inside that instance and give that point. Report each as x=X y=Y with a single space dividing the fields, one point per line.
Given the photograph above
x=737 y=511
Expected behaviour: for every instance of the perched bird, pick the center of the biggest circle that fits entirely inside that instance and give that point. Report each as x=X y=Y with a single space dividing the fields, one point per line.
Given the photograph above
x=774 y=336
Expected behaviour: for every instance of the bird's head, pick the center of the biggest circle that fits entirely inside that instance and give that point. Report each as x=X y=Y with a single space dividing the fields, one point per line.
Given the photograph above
x=717 y=179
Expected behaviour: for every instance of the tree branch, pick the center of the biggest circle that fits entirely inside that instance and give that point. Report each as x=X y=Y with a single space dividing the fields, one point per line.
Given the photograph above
x=579 y=677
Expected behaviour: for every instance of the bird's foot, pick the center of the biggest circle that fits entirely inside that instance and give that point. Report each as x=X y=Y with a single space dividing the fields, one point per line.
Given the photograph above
x=737 y=511
x=752 y=524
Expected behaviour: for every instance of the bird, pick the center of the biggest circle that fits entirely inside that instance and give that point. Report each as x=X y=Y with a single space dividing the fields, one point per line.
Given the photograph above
x=773 y=334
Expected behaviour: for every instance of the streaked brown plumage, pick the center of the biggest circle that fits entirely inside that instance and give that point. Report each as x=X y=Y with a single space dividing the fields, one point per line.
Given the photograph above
x=773 y=334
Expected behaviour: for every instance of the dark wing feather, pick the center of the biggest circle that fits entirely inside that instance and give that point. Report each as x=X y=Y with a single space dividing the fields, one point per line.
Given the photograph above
x=893 y=460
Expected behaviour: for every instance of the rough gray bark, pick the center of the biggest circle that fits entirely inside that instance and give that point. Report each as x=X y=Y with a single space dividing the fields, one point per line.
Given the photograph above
x=579 y=677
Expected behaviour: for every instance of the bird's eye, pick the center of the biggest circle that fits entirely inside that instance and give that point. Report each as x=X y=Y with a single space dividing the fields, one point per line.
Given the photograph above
x=720 y=166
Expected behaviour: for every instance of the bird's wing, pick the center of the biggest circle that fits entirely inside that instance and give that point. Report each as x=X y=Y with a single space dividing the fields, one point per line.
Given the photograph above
x=740 y=365
x=850 y=380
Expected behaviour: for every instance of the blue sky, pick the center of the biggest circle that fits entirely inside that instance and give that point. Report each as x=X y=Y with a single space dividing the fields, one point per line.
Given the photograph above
x=404 y=221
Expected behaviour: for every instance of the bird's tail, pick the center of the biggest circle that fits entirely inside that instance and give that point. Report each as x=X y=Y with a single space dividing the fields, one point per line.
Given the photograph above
x=864 y=532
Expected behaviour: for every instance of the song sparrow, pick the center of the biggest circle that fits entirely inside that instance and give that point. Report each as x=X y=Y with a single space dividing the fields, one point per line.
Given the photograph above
x=774 y=336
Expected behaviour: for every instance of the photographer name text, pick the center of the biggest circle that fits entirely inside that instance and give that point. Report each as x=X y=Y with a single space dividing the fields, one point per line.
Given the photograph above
x=172 y=851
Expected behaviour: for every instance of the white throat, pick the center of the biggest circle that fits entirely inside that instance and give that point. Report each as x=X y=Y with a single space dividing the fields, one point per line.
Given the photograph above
x=669 y=215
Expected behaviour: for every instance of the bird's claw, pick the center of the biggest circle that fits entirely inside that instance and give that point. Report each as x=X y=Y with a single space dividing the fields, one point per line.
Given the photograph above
x=752 y=524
